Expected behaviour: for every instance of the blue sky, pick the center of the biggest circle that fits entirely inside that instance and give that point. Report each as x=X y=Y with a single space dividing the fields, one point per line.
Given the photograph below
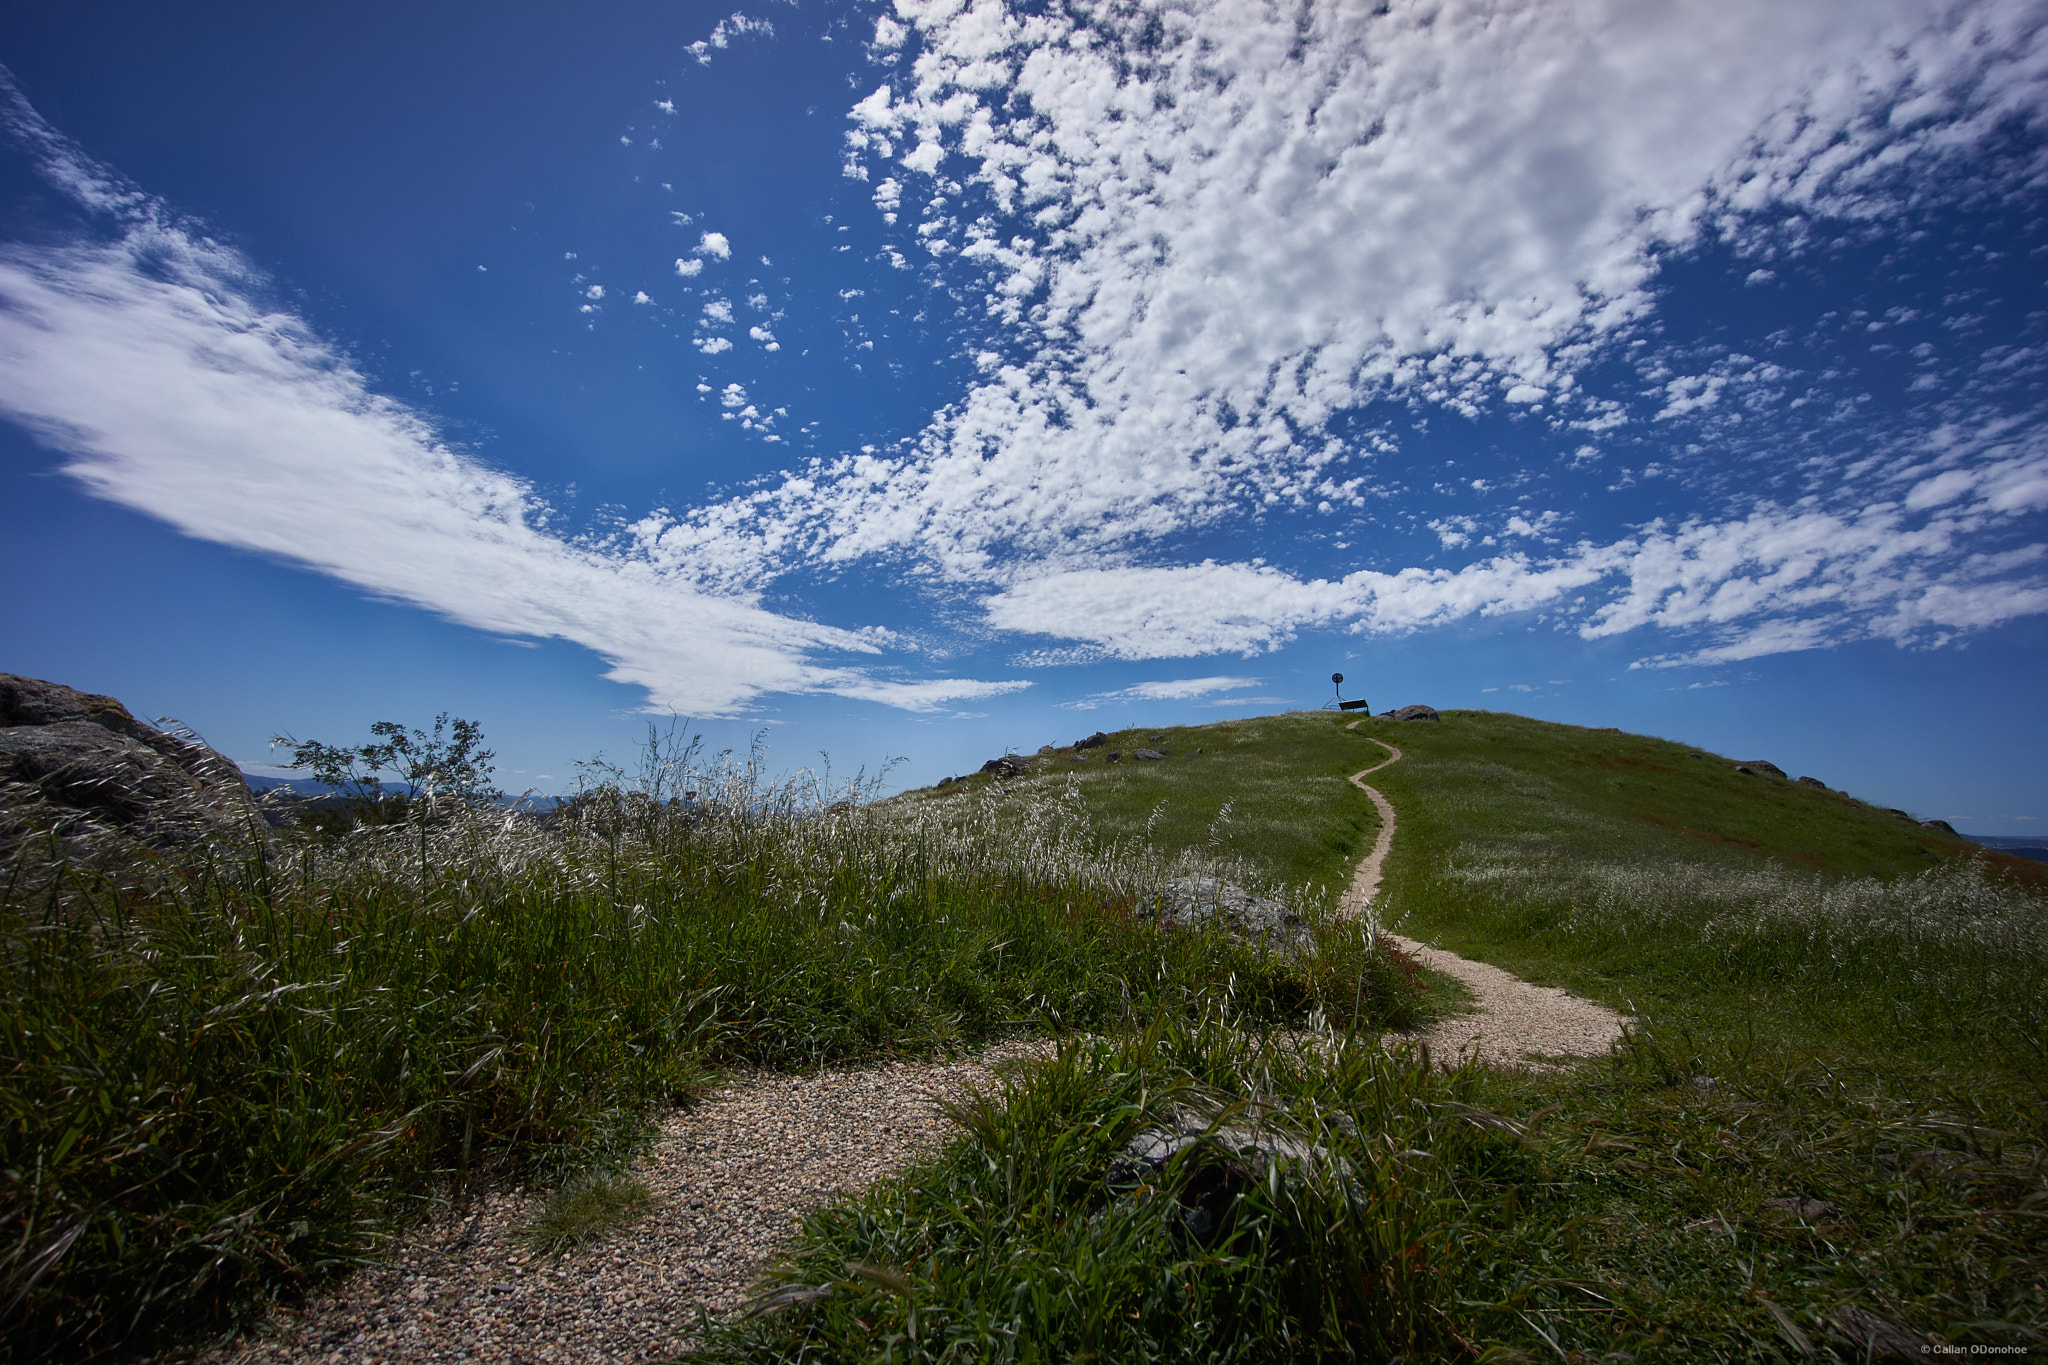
x=933 y=379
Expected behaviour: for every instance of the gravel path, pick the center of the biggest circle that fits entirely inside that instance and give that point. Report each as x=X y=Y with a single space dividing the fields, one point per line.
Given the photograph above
x=732 y=1176
x=1513 y=1022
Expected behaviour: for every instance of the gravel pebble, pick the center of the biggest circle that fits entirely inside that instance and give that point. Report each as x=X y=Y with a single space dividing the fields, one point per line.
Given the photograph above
x=732 y=1178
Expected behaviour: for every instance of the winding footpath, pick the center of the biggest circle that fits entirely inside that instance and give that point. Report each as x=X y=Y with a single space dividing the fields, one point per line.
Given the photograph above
x=1512 y=1022
x=733 y=1177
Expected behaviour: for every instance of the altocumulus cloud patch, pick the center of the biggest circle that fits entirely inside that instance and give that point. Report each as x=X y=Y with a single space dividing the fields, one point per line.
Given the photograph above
x=1207 y=237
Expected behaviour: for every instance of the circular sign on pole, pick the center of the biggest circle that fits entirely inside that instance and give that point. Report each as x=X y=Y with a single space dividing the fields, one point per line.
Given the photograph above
x=1337 y=678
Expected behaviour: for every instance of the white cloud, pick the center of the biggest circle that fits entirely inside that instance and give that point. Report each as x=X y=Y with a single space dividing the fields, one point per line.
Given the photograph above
x=736 y=26
x=714 y=345
x=1454 y=532
x=714 y=244
x=1178 y=689
x=761 y=334
x=1779 y=580
x=686 y=267
x=1205 y=257
x=150 y=357
x=641 y=296
x=718 y=310
x=1434 y=203
x=596 y=291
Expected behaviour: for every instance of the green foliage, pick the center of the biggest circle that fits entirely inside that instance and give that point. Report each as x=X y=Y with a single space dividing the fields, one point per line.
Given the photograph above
x=449 y=764
x=1020 y=1243
x=229 y=1079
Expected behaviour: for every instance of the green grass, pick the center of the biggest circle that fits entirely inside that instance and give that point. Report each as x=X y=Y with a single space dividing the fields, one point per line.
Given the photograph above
x=1279 y=783
x=229 y=1079
x=1015 y=1246
x=587 y=1206
x=1643 y=872
x=1836 y=1006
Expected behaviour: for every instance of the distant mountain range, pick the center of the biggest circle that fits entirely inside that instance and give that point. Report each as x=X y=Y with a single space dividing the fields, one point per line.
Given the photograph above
x=307 y=786
x=2033 y=846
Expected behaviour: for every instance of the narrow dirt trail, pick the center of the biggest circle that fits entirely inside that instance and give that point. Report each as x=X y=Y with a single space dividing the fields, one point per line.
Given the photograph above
x=1514 y=1023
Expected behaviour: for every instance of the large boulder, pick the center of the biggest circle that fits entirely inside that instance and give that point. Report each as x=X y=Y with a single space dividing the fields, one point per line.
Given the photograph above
x=1417 y=712
x=1094 y=741
x=78 y=764
x=1009 y=765
x=1757 y=767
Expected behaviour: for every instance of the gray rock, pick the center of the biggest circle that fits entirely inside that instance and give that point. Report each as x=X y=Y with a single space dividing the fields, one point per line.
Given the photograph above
x=1094 y=741
x=1758 y=767
x=1216 y=1163
x=1009 y=765
x=78 y=764
x=1813 y=782
x=1417 y=712
x=1941 y=826
x=1194 y=902
x=1112 y=756
x=1149 y=755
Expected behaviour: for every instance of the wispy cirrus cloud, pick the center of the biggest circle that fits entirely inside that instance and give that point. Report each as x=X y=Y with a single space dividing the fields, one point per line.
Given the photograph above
x=1174 y=689
x=149 y=355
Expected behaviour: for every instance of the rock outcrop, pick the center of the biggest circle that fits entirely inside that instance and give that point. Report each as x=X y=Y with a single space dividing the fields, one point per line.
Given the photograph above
x=1149 y=755
x=1192 y=902
x=78 y=764
x=1417 y=712
x=1009 y=765
x=1094 y=741
x=1757 y=767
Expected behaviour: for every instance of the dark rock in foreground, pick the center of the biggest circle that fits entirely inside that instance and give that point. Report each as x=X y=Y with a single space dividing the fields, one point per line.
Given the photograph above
x=77 y=763
x=1149 y=755
x=1218 y=1161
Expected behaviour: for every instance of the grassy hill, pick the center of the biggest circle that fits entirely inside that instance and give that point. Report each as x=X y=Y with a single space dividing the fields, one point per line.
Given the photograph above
x=231 y=1075
x=1826 y=1132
